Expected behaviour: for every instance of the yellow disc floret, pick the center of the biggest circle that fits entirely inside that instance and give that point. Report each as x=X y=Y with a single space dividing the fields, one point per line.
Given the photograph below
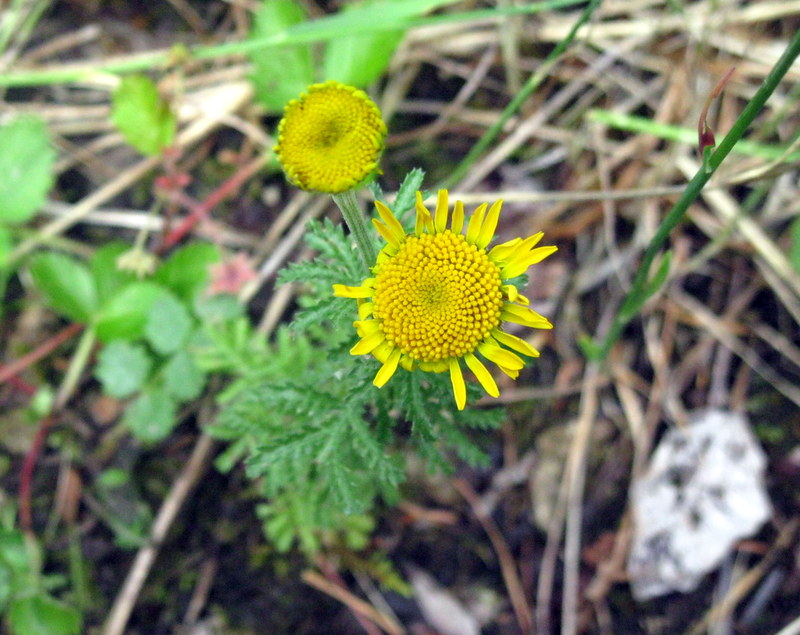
x=331 y=138
x=438 y=297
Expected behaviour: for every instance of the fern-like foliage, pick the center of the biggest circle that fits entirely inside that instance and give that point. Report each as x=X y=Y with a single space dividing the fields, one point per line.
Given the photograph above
x=311 y=429
x=403 y=204
x=336 y=263
x=437 y=428
x=306 y=440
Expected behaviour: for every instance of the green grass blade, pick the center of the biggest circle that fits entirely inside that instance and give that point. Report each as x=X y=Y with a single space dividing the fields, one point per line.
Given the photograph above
x=321 y=30
x=679 y=134
x=695 y=186
x=514 y=105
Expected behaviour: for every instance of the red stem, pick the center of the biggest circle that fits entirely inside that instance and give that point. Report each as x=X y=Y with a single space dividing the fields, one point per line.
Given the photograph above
x=16 y=367
x=9 y=373
x=26 y=475
x=20 y=384
x=199 y=211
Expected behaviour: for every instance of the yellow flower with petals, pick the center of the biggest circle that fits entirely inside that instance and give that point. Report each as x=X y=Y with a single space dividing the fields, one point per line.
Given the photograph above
x=331 y=138
x=439 y=296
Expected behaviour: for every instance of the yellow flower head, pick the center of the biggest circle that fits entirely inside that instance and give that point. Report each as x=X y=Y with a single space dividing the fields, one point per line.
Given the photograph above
x=331 y=138
x=438 y=296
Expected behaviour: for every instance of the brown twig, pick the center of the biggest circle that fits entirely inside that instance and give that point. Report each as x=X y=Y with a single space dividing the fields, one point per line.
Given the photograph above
x=366 y=614
x=126 y=599
x=202 y=588
x=26 y=474
x=508 y=567
x=20 y=384
x=575 y=474
x=9 y=373
x=784 y=541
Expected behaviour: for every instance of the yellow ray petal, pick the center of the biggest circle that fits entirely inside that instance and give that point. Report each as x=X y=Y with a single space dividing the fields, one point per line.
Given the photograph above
x=475 y=222
x=506 y=246
x=368 y=344
x=500 y=356
x=385 y=232
x=440 y=215
x=383 y=255
x=525 y=316
x=500 y=254
x=514 y=342
x=434 y=367
x=388 y=217
x=457 y=379
x=388 y=368
x=343 y=291
x=519 y=249
x=365 y=310
x=484 y=376
x=511 y=292
x=424 y=220
x=367 y=326
x=531 y=241
x=518 y=265
x=457 y=223
x=540 y=253
x=383 y=351
x=511 y=373
x=489 y=225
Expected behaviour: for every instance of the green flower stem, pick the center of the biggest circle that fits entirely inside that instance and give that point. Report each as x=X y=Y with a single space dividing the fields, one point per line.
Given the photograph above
x=639 y=289
x=514 y=105
x=77 y=569
x=359 y=227
x=76 y=367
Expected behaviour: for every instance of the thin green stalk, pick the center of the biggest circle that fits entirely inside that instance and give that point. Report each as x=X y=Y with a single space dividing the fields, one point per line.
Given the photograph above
x=76 y=367
x=18 y=20
x=639 y=291
x=632 y=123
x=359 y=227
x=514 y=105
x=77 y=569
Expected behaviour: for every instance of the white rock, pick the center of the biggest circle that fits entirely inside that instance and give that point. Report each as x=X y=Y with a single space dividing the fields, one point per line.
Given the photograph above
x=703 y=492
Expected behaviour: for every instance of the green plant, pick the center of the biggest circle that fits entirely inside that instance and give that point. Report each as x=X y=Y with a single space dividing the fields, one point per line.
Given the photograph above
x=320 y=441
x=143 y=117
x=26 y=162
x=25 y=592
x=358 y=55
x=145 y=325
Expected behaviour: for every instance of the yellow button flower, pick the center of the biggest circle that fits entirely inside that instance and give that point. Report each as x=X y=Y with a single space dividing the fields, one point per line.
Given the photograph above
x=331 y=138
x=438 y=296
